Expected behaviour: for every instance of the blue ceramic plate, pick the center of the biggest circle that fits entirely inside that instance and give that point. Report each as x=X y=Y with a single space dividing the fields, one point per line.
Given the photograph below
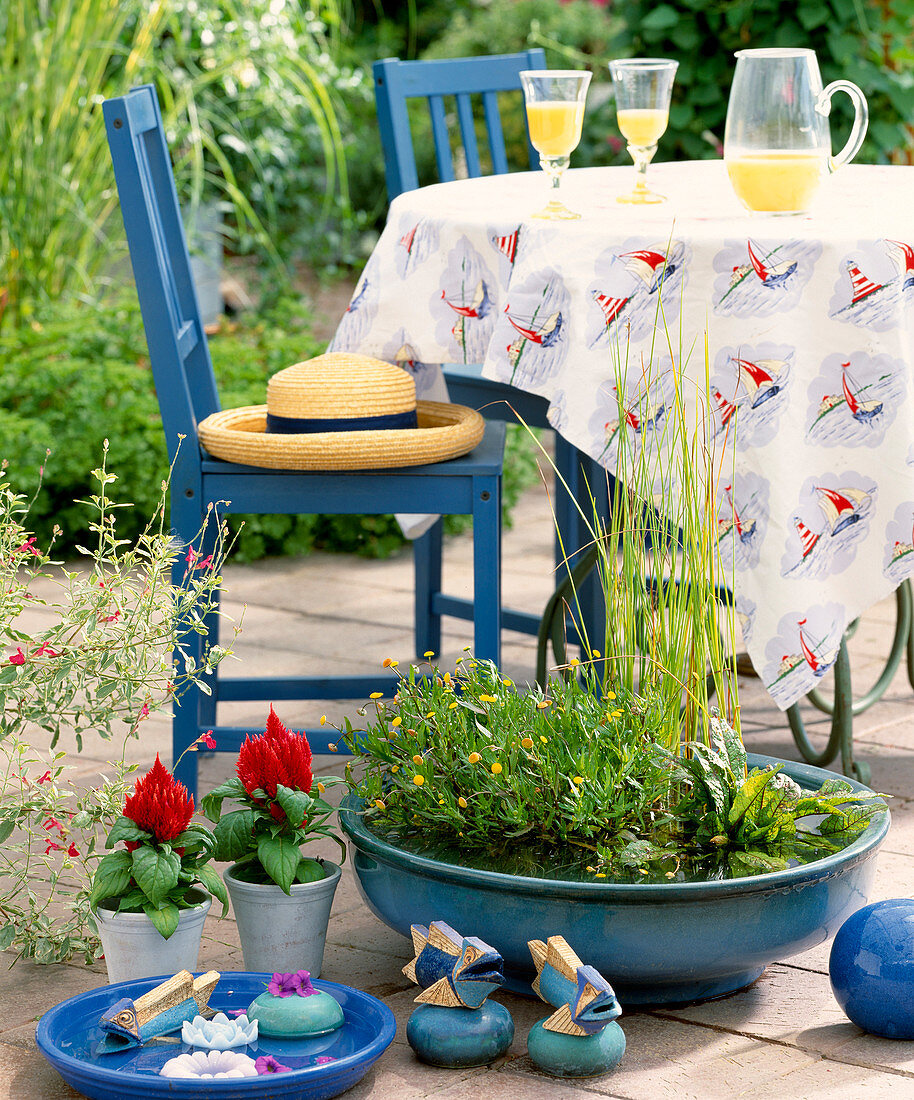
x=69 y=1034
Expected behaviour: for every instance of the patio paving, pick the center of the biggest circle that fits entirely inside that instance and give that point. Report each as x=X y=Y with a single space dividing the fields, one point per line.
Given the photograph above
x=783 y=1037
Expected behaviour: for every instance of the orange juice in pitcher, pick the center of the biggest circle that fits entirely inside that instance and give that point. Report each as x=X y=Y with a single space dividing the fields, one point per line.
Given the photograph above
x=777 y=144
x=776 y=180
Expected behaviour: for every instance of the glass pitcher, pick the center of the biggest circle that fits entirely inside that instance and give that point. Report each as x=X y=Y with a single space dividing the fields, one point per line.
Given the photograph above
x=777 y=145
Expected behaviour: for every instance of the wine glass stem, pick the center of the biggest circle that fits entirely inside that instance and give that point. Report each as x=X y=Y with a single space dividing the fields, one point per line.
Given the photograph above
x=642 y=155
x=554 y=167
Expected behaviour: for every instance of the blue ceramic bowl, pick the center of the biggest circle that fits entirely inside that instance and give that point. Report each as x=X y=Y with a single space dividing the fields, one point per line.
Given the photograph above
x=669 y=943
x=68 y=1035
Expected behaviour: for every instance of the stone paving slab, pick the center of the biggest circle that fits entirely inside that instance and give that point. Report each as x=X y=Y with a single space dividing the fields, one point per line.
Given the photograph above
x=783 y=1038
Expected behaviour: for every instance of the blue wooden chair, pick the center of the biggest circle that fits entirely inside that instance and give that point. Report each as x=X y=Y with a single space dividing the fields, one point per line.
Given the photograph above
x=187 y=393
x=458 y=80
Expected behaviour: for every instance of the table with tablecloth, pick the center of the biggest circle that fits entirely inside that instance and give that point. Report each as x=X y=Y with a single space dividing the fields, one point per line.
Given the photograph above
x=810 y=346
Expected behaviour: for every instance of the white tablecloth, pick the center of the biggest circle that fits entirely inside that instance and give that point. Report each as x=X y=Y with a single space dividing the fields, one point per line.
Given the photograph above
x=810 y=322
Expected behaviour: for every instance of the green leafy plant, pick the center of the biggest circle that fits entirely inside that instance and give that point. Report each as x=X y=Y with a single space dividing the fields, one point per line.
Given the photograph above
x=279 y=813
x=164 y=855
x=100 y=661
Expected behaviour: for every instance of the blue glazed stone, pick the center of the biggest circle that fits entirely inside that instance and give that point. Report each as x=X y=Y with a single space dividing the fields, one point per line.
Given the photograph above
x=294 y=1017
x=872 y=968
x=460 y=1037
x=576 y=1055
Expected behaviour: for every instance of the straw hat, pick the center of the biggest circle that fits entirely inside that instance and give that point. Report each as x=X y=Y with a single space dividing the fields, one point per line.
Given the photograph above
x=341 y=412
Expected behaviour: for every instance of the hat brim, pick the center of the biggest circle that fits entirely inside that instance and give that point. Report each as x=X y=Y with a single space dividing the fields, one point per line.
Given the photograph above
x=445 y=431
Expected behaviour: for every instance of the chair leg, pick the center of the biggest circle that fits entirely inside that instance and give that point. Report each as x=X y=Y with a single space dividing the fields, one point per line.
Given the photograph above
x=487 y=569
x=427 y=568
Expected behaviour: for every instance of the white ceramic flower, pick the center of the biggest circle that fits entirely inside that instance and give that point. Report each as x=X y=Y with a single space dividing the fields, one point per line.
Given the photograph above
x=219 y=1033
x=213 y=1063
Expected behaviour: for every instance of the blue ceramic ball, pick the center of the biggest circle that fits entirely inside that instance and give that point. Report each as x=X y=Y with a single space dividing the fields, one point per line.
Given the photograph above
x=872 y=968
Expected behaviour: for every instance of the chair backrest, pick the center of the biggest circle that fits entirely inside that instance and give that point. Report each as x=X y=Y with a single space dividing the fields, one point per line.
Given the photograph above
x=397 y=81
x=178 y=351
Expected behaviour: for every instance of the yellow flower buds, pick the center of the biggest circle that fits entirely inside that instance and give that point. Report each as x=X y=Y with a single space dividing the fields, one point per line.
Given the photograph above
x=417 y=759
x=527 y=743
x=376 y=695
x=496 y=768
x=474 y=758
x=379 y=804
x=462 y=802
x=418 y=780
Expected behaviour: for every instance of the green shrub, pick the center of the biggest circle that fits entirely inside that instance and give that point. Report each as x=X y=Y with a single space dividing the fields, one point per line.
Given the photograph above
x=80 y=374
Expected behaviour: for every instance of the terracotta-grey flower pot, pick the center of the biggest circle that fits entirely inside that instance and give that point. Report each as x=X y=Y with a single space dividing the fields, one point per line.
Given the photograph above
x=279 y=931
x=134 y=947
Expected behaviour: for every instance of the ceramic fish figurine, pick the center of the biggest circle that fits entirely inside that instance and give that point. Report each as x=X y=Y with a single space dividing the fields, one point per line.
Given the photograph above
x=581 y=1038
x=454 y=1025
x=584 y=999
x=453 y=970
x=163 y=1009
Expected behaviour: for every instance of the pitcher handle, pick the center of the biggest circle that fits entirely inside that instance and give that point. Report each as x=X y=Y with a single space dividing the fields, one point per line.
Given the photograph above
x=861 y=118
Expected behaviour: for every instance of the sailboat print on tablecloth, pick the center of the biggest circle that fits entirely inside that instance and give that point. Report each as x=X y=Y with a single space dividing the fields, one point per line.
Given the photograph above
x=854 y=399
x=875 y=285
x=630 y=284
x=636 y=415
x=357 y=321
x=758 y=278
x=742 y=520
x=804 y=649
x=464 y=306
x=825 y=536
x=417 y=240
x=531 y=330
x=898 y=556
x=505 y=244
x=749 y=392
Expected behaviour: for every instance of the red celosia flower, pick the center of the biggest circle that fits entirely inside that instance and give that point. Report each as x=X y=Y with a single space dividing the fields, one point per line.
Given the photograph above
x=160 y=804
x=275 y=756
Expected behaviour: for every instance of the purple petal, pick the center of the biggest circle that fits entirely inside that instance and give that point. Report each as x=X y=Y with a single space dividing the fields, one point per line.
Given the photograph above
x=268 y=1064
x=304 y=988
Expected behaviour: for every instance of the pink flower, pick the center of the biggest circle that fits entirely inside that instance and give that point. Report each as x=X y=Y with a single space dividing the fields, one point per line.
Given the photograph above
x=194 y=560
x=208 y=739
x=44 y=650
x=285 y=985
x=144 y=713
x=615 y=143
x=28 y=547
x=18 y=658
x=110 y=618
x=72 y=850
x=268 y=1064
x=46 y=778
x=50 y=846
x=53 y=823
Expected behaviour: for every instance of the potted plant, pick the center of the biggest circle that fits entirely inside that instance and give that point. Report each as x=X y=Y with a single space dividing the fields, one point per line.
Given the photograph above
x=95 y=660
x=281 y=899
x=615 y=807
x=146 y=896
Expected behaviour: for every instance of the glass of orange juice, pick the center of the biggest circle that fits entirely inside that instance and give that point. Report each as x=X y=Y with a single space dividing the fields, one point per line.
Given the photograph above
x=555 y=114
x=642 y=86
